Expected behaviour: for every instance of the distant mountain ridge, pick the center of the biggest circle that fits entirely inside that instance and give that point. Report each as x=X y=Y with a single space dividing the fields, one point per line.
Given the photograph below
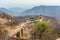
x=53 y=11
x=12 y=10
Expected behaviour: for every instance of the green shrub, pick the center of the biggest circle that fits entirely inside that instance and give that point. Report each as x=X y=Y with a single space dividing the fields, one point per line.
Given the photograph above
x=43 y=26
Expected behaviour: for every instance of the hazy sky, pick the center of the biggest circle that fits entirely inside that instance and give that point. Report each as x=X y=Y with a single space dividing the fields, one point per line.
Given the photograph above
x=27 y=3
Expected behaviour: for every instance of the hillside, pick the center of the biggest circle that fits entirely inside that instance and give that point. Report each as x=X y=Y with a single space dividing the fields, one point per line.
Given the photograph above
x=43 y=10
x=10 y=27
x=7 y=25
x=53 y=21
